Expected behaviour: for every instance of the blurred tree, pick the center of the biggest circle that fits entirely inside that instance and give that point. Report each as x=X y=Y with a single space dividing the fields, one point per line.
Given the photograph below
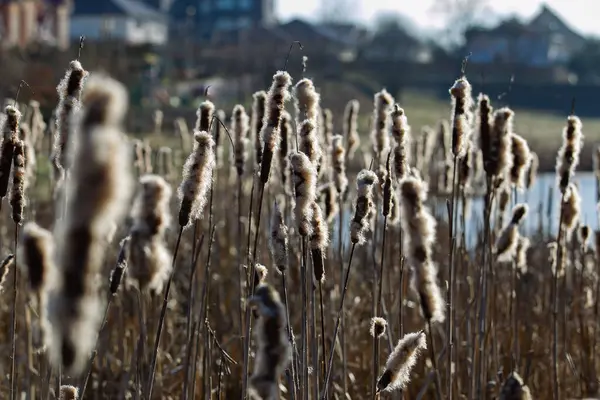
x=459 y=15
x=339 y=11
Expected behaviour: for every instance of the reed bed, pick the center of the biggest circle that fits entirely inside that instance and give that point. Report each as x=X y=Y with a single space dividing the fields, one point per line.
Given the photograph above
x=369 y=277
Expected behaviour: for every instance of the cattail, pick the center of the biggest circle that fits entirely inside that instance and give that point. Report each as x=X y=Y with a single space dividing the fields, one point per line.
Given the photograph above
x=327 y=126
x=571 y=207
x=514 y=388
x=583 y=234
x=286 y=133
x=394 y=217
x=568 y=154
x=4 y=267
x=10 y=139
x=139 y=163
x=273 y=353
x=377 y=328
x=309 y=142
x=304 y=179
x=197 y=179
x=30 y=157
x=425 y=149
x=444 y=139
x=401 y=133
x=351 y=127
x=553 y=259
x=465 y=166
x=506 y=245
x=338 y=161
x=387 y=189
x=276 y=98
x=69 y=91
x=278 y=240
x=261 y=273
x=521 y=158
x=37 y=252
x=379 y=135
x=158 y=118
x=259 y=101
x=307 y=101
x=37 y=124
x=486 y=142
x=68 y=392
x=204 y=116
x=330 y=197
x=461 y=106
x=363 y=207
x=146 y=157
x=98 y=194
x=17 y=193
x=239 y=127
x=532 y=171
x=523 y=244
x=148 y=258
x=500 y=154
x=166 y=157
x=401 y=362
x=419 y=229
x=117 y=273
x=318 y=242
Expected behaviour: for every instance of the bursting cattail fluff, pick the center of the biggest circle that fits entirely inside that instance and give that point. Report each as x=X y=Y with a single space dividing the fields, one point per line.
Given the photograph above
x=485 y=122
x=401 y=133
x=499 y=155
x=307 y=101
x=239 y=127
x=364 y=207
x=330 y=198
x=284 y=144
x=309 y=142
x=148 y=258
x=568 y=154
x=17 y=193
x=401 y=362
x=327 y=126
x=304 y=180
x=278 y=239
x=69 y=91
x=521 y=158
x=338 y=161
x=507 y=242
x=36 y=253
x=377 y=328
x=259 y=102
x=10 y=133
x=197 y=179
x=97 y=197
x=318 y=242
x=465 y=166
x=68 y=392
x=204 y=116
x=381 y=123
x=571 y=208
x=269 y=134
x=351 y=127
x=461 y=107
x=273 y=353
x=514 y=388
x=419 y=228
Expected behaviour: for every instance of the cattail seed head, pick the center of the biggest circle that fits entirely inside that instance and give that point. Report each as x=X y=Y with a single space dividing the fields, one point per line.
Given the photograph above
x=507 y=242
x=401 y=133
x=532 y=170
x=521 y=158
x=278 y=240
x=387 y=189
x=568 y=155
x=197 y=179
x=330 y=198
x=273 y=353
x=204 y=115
x=259 y=103
x=377 y=328
x=307 y=101
x=485 y=124
x=499 y=160
x=98 y=193
x=401 y=362
x=239 y=127
x=327 y=126
x=465 y=166
x=351 y=127
x=68 y=392
x=379 y=135
x=583 y=235
x=10 y=139
x=284 y=144
x=304 y=179
x=17 y=194
x=461 y=105
x=308 y=142
x=338 y=158
x=571 y=208
x=261 y=272
x=318 y=241
x=4 y=267
x=37 y=252
x=363 y=208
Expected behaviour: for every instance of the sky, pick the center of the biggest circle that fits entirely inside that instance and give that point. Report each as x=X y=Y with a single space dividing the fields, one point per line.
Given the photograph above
x=581 y=15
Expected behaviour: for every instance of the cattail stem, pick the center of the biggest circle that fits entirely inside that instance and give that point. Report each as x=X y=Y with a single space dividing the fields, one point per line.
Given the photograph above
x=375 y=366
x=514 y=306
x=377 y=307
x=13 y=332
x=559 y=255
x=451 y=278
x=241 y=278
x=293 y=388
x=323 y=347
x=343 y=319
x=304 y=332
x=337 y=323
x=163 y=313
x=313 y=330
x=433 y=355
